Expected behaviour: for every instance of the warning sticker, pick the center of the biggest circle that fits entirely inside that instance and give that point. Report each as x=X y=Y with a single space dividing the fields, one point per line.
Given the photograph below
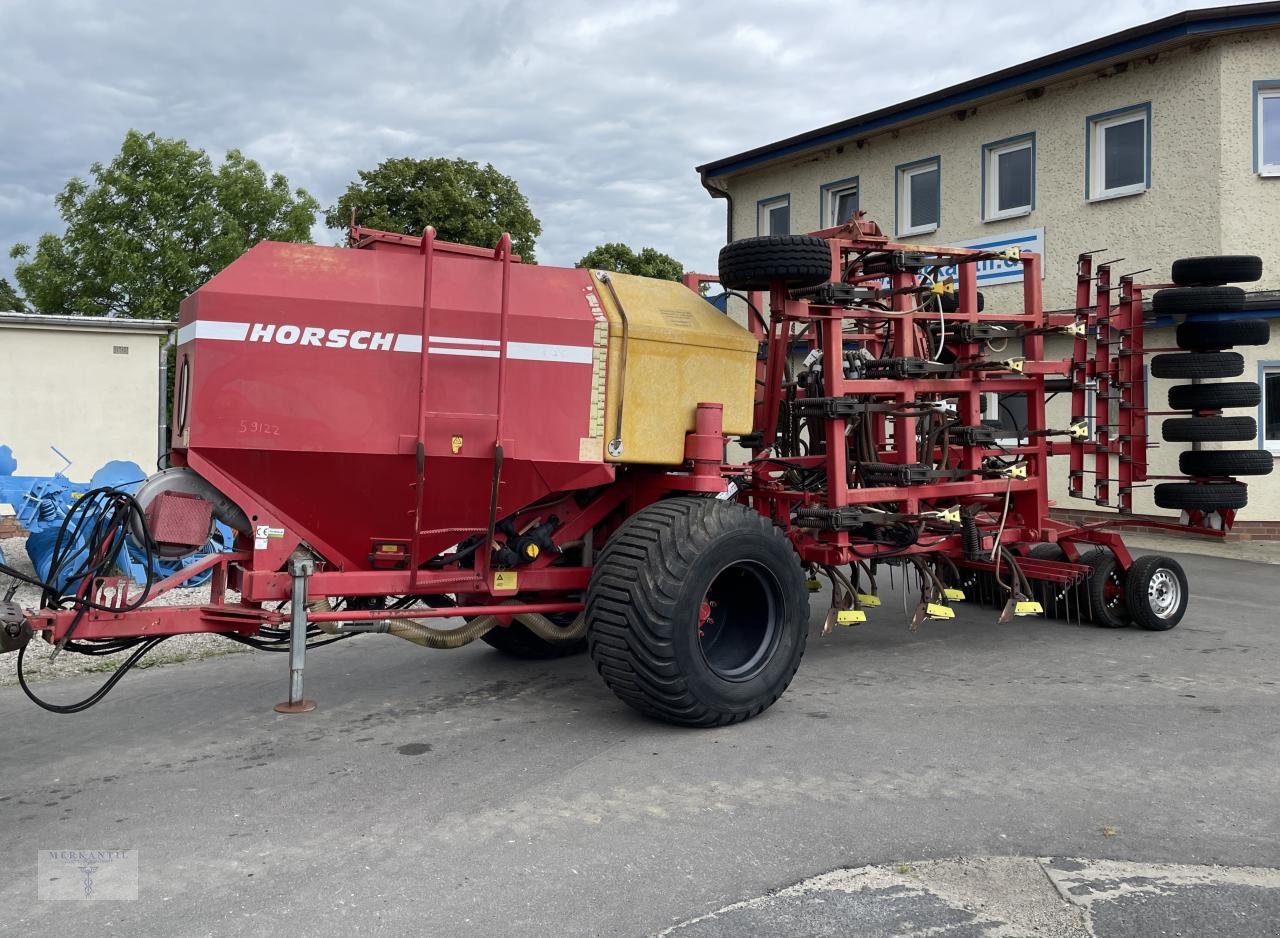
x=504 y=581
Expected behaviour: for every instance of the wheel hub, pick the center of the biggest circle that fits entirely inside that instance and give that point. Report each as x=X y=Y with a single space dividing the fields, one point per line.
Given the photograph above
x=1164 y=593
x=739 y=620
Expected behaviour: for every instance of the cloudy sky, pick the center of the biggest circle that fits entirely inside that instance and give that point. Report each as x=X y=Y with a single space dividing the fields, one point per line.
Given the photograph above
x=599 y=110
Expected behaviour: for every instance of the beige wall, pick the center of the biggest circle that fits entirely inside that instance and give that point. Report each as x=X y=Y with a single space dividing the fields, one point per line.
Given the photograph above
x=69 y=388
x=1204 y=196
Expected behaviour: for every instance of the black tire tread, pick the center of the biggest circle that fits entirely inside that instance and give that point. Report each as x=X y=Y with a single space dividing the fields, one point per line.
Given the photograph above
x=754 y=263
x=1201 y=496
x=517 y=641
x=1102 y=563
x=1217 y=269
x=1215 y=396
x=1197 y=365
x=632 y=600
x=1198 y=300
x=1226 y=462
x=1209 y=429
x=1135 y=589
x=1223 y=334
x=1047 y=592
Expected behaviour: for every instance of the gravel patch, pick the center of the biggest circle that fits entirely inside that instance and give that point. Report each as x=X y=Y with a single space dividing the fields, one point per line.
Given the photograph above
x=38 y=666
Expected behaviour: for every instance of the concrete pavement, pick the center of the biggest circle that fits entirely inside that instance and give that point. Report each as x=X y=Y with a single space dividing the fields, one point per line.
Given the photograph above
x=466 y=794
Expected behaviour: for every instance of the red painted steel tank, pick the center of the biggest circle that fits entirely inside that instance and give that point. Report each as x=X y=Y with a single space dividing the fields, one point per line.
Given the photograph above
x=301 y=390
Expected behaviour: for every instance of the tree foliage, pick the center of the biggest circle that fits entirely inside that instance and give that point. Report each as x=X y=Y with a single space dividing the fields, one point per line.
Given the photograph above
x=649 y=262
x=10 y=300
x=153 y=225
x=464 y=202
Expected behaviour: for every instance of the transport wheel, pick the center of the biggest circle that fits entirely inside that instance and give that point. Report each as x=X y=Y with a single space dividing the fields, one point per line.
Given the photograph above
x=518 y=642
x=1046 y=592
x=951 y=302
x=1220 y=335
x=1215 y=396
x=1222 y=268
x=1198 y=300
x=1197 y=365
x=1209 y=429
x=697 y=612
x=754 y=263
x=1202 y=496
x=1226 y=462
x=1156 y=592
x=1105 y=589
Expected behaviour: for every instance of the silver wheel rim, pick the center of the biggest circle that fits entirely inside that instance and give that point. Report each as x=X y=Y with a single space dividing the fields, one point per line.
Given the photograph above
x=1164 y=593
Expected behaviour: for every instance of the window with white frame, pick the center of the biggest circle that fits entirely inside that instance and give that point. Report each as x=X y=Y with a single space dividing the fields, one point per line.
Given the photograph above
x=1009 y=178
x=839 y=202
x=919 y=197
x=1266 y=130
x=773 y=215
x=1119 y=145
x=1270 y=422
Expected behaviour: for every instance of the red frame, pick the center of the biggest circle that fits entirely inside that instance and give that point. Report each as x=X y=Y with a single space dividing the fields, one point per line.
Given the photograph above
x=1108 y=350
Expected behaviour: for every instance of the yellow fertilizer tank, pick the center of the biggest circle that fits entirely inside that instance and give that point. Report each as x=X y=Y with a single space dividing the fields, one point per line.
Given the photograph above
x=670 y=350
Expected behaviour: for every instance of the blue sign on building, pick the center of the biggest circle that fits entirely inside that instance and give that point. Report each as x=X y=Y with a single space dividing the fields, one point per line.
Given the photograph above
x=997 y=271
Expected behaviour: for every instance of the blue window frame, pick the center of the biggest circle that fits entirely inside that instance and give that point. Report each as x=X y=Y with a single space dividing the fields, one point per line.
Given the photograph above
x=838 y=201
x=1009 y=177
x=917 y=196
x=1266 y=127
x=1117 y=152
x=773 y=215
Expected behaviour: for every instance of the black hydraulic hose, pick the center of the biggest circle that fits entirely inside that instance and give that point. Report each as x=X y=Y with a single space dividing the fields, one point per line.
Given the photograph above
x=145 y=646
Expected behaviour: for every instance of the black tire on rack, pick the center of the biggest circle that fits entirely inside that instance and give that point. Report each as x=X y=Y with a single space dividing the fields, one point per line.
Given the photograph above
x=1046 y=592
x=697 y=612
x=755 y=263
x=1197 y=365
x=1215 y=396
x=1218 y=269
x=1226 y=462
x=1155 y=590
x=1104 y=589
x=1209 y=429
x=1201 y=496
x=1202 y=336
x=1198 y=300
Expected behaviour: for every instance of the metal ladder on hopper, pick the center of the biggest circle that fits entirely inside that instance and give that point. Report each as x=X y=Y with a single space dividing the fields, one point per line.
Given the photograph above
x=501 y=253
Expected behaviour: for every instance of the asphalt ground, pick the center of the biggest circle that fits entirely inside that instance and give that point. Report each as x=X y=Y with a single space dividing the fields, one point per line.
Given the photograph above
x=461 y=793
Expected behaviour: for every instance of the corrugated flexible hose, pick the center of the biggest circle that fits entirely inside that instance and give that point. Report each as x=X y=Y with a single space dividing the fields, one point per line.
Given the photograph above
x=418 y=632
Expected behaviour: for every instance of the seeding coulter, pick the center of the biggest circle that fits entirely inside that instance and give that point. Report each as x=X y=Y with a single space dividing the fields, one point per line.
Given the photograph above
x=563 y=460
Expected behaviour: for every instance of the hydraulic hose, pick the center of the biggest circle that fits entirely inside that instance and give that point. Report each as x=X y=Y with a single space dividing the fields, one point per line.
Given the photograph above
x=418 y=632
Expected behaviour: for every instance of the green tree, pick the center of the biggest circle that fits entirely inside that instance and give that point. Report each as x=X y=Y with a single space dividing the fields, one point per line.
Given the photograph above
x=464 y=202
x=650 y=262
x=154 y=224
x=10 y=300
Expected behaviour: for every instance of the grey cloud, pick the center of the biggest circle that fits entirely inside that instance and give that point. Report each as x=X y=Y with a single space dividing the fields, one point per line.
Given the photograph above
x=600 y=111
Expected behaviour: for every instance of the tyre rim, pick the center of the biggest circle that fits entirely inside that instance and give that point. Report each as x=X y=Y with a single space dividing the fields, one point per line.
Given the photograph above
x=739 y=621
x=1112 y=593
x=1164 y=593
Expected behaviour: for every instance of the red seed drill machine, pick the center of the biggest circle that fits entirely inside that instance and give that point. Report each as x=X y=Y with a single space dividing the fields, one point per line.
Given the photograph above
x=564 y=459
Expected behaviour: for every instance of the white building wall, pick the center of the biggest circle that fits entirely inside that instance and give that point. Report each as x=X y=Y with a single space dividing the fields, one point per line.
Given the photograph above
x=70 y=388
x=1204 y=196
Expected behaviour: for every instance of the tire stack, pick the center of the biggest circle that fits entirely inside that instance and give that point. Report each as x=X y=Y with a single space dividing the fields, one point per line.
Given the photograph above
x=1208 y=354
